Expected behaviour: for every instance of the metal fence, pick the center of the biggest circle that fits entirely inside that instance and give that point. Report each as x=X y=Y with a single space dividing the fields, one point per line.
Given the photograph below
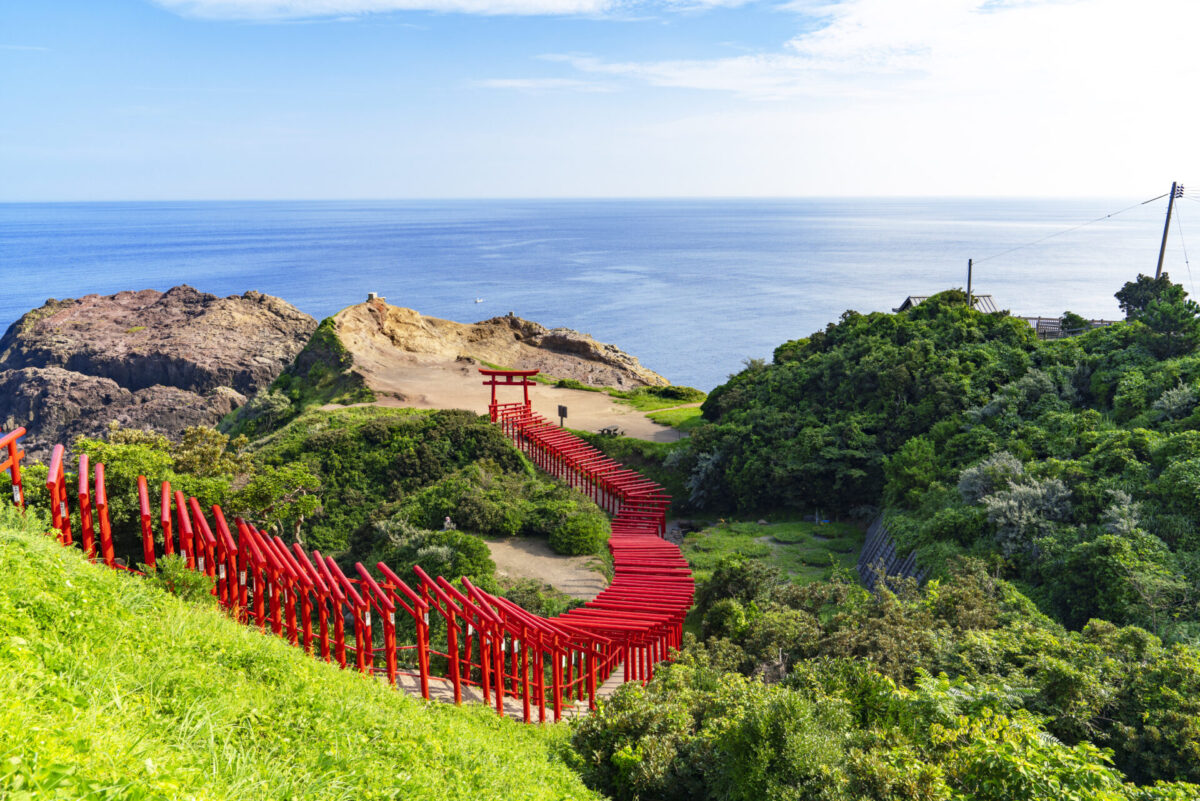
x=879 y=561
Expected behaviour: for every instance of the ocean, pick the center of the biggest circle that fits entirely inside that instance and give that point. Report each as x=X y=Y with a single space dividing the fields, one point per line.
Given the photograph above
x=693 y=288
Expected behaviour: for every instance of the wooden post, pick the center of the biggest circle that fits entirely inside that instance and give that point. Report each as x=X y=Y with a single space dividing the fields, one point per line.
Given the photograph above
x=452 y=655
x=970 y=264
x=147 y=532
x=1162 y=249
x=101 y=496
x=87 y=531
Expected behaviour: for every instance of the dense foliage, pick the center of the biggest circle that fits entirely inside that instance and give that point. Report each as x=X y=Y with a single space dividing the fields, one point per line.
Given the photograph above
x=810 y=430
x=483 y=498
x=113 y=689
x=1082 y=474
x=203 y=463
x=959 y=690
x=1075 y=462
x=1069 y=473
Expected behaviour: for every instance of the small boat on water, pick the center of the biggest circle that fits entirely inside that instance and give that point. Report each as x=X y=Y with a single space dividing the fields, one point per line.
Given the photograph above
x=479 y=300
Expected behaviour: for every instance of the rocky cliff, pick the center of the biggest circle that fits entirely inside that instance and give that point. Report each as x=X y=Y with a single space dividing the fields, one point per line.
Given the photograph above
x=158 y=360
x=381 y=337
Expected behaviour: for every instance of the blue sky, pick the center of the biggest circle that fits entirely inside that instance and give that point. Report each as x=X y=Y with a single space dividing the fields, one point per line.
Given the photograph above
x=182 y=99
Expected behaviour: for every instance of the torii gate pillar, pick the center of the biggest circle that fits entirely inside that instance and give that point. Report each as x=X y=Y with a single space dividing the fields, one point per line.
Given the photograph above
x=511 y=378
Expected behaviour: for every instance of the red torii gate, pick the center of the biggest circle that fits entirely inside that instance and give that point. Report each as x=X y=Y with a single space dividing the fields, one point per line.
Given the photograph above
x=510 y=380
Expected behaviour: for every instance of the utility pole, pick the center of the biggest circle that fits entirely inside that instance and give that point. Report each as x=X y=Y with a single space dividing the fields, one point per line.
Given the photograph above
x=1176 y=191
x=970 y=303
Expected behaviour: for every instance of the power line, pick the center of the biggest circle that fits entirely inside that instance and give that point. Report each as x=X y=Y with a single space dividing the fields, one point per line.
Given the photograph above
x=1072 y=228
x=1179 y=228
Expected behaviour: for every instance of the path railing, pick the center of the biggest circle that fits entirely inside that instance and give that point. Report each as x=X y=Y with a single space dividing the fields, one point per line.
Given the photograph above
x=430 y=631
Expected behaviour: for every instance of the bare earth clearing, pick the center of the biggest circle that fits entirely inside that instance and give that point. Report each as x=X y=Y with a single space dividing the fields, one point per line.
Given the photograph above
x=526 y=558
x=459 y=386
x=422 y=362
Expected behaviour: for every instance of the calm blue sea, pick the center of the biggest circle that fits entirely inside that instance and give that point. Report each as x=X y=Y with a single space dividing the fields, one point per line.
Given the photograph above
x=692 y=288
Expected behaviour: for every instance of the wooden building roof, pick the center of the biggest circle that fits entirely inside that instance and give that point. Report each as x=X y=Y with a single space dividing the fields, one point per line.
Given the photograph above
x=983 y=303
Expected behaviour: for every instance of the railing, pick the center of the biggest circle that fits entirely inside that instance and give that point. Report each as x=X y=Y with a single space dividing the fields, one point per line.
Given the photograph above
x=460 y=635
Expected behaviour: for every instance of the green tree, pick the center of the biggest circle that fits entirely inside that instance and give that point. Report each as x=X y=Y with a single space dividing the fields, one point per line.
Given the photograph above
x=1173 y=325
x=1137 y=295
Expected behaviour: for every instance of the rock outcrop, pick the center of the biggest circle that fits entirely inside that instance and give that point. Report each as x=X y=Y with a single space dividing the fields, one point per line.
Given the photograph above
x=376 y=332
x=379 y=336
x=157 y=360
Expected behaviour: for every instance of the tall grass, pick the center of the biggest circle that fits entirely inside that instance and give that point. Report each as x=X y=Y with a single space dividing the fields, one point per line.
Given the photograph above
x=112 y=688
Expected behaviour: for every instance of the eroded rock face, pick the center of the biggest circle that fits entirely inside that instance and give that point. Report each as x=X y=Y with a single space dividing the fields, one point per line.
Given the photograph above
x=380 y=336
x=180 y=338
x=157 y=360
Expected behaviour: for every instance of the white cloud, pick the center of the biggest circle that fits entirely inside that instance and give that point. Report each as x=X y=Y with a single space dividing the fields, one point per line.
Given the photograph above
x=759 y=76
x=875 y=48
x=544 y=85
x=309 y=9
x=958 y=97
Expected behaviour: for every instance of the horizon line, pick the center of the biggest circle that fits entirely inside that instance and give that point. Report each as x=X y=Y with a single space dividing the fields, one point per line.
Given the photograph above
x=546 y=198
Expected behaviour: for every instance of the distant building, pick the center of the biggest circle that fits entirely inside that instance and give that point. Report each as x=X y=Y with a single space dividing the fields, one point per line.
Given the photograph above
x=1051 y=327
x=983 y=303
x=1046 y=327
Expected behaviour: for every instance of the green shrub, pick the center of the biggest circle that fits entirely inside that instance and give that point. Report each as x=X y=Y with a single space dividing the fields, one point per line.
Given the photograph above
x=483 y=499
x=580 y=533
x=726 y=618
x=370 y=461
x=452 y=554
x=171 y=572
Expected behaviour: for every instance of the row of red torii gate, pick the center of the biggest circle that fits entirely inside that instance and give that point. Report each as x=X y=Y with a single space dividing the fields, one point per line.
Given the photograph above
x=432 y=635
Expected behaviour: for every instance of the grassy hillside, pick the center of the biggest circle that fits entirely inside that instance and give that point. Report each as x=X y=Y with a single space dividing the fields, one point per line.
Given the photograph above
x=111 y=688
x=376 y=464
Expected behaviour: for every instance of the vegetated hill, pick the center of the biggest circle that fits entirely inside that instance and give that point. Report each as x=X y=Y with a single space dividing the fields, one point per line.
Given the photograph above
x=810 y=430
x=157 y=360
x=359 y=484
x=113 y=689
x=1074 y=464
x=380 y=468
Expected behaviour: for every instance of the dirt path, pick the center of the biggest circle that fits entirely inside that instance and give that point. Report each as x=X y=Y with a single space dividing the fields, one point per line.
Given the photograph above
x=459 y=386
x=528 y=558
x=440 y=689
x=696 y=405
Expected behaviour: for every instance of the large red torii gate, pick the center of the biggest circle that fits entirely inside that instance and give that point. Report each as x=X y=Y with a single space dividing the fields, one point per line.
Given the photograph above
x=510 y=380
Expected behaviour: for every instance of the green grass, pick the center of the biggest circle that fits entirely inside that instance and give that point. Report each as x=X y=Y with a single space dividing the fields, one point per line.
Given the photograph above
x=804 y=551
x=649 y=399
x=315 y=421
x=644 y=399
x=111 y=688
x=684 y=419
